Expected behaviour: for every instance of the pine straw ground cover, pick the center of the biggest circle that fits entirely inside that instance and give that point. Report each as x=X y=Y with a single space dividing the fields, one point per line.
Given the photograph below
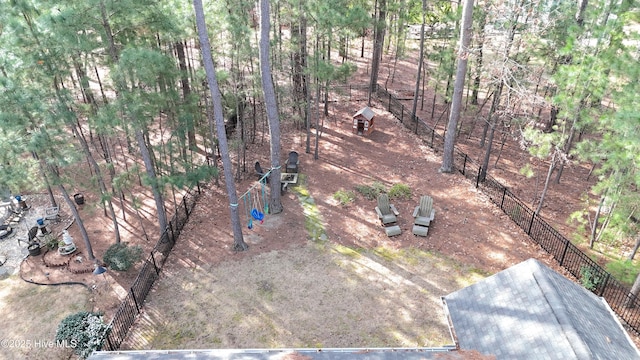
x=359 y=288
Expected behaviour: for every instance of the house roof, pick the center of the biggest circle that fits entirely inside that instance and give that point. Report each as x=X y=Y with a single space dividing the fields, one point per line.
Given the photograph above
x=366 y=112
x=283 y=354
x=530 y=311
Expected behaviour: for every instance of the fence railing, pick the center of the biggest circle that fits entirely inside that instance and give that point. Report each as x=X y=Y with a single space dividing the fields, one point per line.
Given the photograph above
x=586 y=270
x=131 y=305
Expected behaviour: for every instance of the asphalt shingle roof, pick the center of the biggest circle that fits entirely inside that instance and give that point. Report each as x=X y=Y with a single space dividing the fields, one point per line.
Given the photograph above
x=281 y=354
x=529 y=311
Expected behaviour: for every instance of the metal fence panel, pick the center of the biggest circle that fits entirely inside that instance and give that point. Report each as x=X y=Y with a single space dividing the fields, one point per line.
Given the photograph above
x=128 y=310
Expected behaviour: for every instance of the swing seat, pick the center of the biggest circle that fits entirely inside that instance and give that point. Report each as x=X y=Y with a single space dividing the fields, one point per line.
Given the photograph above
x=257 y=215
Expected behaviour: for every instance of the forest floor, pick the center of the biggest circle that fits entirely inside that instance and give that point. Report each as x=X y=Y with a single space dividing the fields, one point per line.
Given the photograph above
x=352 y=286
x=341 y=282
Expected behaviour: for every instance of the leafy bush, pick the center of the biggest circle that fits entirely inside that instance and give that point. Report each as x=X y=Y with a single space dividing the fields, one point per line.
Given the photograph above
x=121 y=256
x=84 y=331
x=371 y=192
x=590 y=277
x=400 y=191
x=344 y=196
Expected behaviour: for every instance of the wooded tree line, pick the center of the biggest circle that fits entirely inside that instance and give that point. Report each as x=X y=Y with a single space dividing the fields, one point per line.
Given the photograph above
x=123 y=88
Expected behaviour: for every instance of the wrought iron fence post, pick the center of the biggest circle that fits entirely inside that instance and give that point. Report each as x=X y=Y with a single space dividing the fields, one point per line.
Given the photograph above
x=133 y=296
x=433 y=134
x=389 y=100
x=186 y=211
x=464 y=164
x=564 y=252
x=401 y=113
x=604 y=285
x=504 y=194
x=153 y=260
x=533 y=216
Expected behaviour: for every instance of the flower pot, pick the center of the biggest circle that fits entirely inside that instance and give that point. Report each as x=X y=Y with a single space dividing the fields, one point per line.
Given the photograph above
x=34 y=249
x=78 y=198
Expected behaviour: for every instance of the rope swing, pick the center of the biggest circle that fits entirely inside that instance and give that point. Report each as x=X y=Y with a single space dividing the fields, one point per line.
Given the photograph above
x=253 y=202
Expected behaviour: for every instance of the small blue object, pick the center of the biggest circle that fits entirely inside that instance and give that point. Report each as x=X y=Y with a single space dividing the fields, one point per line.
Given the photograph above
x=18 y=198
x=257 y=215
x=40 y=221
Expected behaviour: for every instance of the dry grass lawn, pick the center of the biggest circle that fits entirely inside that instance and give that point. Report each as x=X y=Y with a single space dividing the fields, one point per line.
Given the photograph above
x=319 y=295
x=30 y=317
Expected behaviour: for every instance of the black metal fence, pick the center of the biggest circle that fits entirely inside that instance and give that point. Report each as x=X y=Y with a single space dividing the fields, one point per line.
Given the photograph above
x=131 y=306
x=587 y=271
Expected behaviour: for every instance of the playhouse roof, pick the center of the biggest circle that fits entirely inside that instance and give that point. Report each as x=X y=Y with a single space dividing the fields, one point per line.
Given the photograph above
x=365 y=112
x=531 y=311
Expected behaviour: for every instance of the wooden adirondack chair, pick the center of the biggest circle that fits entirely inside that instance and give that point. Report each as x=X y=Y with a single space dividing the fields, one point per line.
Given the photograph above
x=293 y=162
x=423 y=216
x=387 y=213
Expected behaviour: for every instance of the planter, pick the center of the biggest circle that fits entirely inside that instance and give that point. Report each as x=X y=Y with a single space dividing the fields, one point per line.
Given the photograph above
x=34 y=249
x=5 y=231
x=78 y=198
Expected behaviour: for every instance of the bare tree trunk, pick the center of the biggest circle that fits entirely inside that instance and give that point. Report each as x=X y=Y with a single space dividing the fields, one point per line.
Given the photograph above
x=594 y=226
x=377 y=47
x=552 y=166
x=456 y=104
x=271 y=107
x=103 y=187
x=635 y=289
x=635 y=248
x=79 y=223
x=238 y=240
x=186 y=92
x=478 y=69
x=151 y=174
x=414 y=106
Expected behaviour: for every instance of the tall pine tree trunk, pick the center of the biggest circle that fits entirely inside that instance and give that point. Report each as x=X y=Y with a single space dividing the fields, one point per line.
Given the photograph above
x=456 y=104
x=186 y=92
x=271 y=107
x=216 y=96
x=151 y=174
x=377 y=47
x=414 y=106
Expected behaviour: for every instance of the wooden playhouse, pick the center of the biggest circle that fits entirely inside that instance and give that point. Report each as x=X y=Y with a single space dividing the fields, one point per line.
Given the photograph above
x=363 y=121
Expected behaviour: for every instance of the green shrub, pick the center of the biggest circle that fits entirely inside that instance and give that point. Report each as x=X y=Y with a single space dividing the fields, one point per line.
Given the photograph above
x=590 y=277
x=84 y=331
x=371 y=192
x=121 y=256
x=400 y=191
x=344 y=196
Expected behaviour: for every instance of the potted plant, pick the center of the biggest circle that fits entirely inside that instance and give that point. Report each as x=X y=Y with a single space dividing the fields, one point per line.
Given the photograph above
x=34 y=248
x=50 y=241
